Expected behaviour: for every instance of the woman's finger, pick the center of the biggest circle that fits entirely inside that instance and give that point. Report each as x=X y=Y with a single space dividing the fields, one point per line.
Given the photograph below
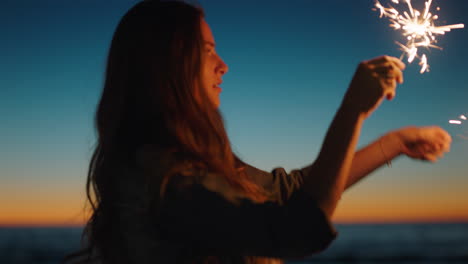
x=388 y=70
x=445 y=136
x=389 y=76
x=384 y=59
x=430 y=157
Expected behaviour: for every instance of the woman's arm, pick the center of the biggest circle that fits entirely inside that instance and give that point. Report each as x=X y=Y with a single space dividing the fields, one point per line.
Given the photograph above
x=203 y=220
x=327 y=177
x=373 y=156
x=424 y=143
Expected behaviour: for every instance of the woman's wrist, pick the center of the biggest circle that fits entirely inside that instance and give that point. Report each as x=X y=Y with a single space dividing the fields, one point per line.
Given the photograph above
x=392 y=145
x=352 y=111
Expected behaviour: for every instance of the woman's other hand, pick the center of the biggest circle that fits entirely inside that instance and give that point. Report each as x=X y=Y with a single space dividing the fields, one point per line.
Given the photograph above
x=424 y=143
x=373 y=81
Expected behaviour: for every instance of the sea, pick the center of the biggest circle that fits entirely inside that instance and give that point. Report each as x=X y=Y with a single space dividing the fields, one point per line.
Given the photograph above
x=356 y=243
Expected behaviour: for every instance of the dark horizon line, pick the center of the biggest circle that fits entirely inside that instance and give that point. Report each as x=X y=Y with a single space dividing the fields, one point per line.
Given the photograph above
x=342 y=223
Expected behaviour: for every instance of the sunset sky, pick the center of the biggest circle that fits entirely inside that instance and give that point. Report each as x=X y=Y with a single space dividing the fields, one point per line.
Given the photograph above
x=290 y=63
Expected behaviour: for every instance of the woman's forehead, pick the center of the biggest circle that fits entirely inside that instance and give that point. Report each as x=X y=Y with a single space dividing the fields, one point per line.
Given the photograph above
x=206 y=32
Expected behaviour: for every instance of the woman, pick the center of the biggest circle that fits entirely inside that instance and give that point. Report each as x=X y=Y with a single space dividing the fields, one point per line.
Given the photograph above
x=167 y=187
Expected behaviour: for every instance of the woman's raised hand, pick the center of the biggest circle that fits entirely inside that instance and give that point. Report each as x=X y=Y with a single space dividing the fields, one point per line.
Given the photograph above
x=424 y=143
x=373 y=81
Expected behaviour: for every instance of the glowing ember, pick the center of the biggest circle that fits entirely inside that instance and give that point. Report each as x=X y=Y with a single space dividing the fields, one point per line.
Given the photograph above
x=418 y=28
x=456 y=122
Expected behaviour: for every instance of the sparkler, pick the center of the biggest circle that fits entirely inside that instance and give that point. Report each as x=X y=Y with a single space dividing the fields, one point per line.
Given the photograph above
x=459 y=122
x=418 y=28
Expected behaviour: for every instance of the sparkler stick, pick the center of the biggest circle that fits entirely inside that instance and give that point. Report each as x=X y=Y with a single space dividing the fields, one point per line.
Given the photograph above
x=419 y=29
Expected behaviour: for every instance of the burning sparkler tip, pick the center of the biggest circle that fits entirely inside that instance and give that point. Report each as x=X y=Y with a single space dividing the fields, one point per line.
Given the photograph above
x=418 y=29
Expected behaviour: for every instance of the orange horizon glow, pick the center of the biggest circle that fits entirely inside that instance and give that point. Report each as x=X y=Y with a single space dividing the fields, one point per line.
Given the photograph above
x=364 y=204
x=349 y=213
x=59 y=223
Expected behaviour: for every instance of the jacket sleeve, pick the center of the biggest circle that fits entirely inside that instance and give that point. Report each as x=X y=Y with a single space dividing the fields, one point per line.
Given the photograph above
x=289 y=225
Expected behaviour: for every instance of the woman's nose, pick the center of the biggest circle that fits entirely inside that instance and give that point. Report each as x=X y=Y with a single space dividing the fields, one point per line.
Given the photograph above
x=222 y=67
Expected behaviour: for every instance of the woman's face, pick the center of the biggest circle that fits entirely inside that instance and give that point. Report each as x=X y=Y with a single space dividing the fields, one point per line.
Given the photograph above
x=213 y=68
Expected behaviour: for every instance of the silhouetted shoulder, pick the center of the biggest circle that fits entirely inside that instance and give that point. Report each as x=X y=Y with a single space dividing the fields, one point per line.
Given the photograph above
x=198 y=211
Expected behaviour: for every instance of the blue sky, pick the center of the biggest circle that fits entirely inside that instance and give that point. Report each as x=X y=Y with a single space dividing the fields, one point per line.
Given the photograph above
x=290 y=63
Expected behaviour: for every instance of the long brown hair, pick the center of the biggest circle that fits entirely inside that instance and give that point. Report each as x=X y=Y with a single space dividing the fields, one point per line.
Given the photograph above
x=149 y=98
